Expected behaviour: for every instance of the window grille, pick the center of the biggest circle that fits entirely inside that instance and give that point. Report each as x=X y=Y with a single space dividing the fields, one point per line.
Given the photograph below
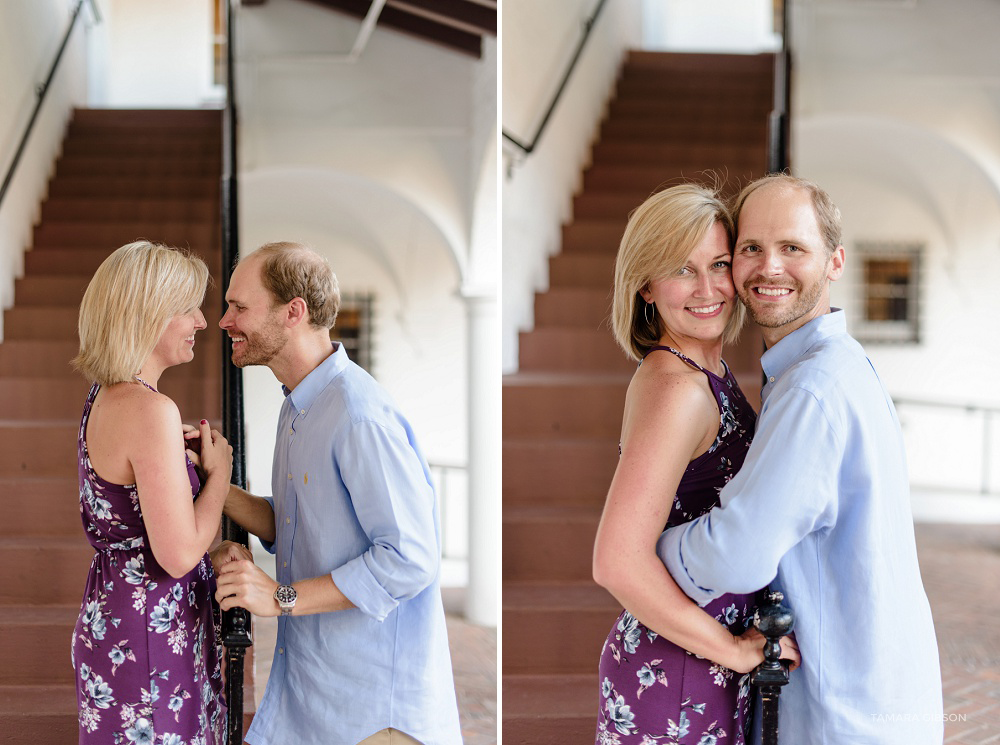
x=890 y=292
x=354 y=328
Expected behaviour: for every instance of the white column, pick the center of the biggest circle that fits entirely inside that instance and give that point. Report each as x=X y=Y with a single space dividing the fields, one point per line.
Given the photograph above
x=484 y=457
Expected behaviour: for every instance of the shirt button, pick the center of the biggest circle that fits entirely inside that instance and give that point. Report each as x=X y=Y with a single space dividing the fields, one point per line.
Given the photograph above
x=285 y=564
x=289 y=477
x=771 y=379
x=302 y=412
x=287 y=520
x=281 y=650
x=291 y=431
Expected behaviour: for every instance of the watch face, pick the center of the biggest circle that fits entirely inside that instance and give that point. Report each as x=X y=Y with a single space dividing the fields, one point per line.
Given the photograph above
x=285 y=594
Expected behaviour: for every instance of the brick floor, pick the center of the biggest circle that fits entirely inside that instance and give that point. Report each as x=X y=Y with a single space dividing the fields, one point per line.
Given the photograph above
x=473 y=661
x=961 y=570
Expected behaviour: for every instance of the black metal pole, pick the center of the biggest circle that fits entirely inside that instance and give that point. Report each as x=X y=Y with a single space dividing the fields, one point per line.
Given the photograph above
x=236 y=622
x=778 y=146
x=774 y=621
x=40 y=97
x=588 y=26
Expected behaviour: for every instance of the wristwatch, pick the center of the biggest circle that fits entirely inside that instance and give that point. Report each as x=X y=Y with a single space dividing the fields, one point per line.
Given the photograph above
x=285 y=595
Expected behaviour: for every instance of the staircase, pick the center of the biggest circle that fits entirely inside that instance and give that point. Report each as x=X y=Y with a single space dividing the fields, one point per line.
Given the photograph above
x=123 y=175
x=673 y=117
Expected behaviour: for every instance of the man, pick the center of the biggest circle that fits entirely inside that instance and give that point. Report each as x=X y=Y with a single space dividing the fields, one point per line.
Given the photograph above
x=820 y=509
x=362 y=650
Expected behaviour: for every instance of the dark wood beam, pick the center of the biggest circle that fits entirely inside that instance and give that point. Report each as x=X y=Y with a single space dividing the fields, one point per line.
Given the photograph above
x=455 y=39
x=480 y=18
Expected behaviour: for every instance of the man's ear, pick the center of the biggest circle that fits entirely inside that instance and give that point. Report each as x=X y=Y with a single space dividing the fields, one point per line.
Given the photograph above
x=297 y=312
x=836 y=264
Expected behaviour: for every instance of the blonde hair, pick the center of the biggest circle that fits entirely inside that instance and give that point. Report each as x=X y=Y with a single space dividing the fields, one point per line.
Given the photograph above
x=130 y=299
x=659 y=237
x=290 y=270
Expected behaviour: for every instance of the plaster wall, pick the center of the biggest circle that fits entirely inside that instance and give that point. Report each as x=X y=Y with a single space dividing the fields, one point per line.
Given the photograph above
x=154 y=55
x=30 y=34
x=729 y=26
x=538 y=42
x=897 y=115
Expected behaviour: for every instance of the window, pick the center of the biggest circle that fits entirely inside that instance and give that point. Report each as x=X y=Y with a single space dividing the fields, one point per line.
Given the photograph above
x=890 y=284
x=354 y=328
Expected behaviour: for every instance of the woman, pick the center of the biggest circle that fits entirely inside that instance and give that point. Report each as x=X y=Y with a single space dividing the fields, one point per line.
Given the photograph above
x=670 y=671
x=145 y=646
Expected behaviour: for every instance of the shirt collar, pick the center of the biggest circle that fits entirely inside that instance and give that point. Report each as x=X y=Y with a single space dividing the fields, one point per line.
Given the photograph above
x=782 y=355
x=303 y=395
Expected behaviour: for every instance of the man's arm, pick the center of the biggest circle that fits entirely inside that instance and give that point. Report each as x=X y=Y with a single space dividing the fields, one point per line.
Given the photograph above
x=787 y=489
x=253 y=514
x=241 y=583
x=394 y=504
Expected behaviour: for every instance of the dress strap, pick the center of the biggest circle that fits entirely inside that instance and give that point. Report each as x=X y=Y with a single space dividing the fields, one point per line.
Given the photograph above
x=684 y=357
x=145 y=384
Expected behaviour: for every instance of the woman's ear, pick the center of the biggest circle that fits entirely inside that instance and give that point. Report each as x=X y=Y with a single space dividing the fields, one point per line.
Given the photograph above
x=645 y=294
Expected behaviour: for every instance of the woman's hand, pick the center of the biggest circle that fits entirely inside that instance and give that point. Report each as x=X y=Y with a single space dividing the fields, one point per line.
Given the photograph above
x=216 y=453
x=192 y=448
x=750 y=651
x=228 y=551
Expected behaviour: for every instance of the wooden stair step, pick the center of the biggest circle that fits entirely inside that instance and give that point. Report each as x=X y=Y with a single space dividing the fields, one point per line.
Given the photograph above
x=141 y=186
x=35 y=641
x=553 y=472
x=117 y=147
x=96 y=167
x=200 y=235
x=691 y=130
x=107 y=209
x=598 y=234
x=44 y=506
x=554 y=708
x=674 y=62
x=640 y=108
x=559 y=405
x=574 y=307
x=561 y=349
x=40 y=323
x=42 y=571
x=38 y=448
x=594 y=268
x=549 y=543
x=582 y=612
x=633 y=181
x=39 y=714
x=133 y=119
x=739 y=159
x=34 y=290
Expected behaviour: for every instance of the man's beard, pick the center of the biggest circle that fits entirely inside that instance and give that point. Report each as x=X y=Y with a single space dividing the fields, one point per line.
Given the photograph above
x=260 y=348
x=767 y=315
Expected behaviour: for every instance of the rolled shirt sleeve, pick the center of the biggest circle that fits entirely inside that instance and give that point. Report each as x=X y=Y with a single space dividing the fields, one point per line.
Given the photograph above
x=393 y=499
x=786 y=490
x=268 y=545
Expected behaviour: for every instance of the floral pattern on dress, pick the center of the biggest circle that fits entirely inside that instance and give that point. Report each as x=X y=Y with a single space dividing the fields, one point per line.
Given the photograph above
x=653 y=691
x=145 y=646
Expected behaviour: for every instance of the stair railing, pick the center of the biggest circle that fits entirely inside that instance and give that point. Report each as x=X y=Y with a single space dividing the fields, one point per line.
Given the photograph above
x=778 y=128
x=43 y=89
x=235 y=622
x=588 y=26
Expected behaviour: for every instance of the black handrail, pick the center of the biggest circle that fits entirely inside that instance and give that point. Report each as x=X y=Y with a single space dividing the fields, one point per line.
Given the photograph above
x=778 y=145
x=43 y=89
x=236 y=622
x=588 y=26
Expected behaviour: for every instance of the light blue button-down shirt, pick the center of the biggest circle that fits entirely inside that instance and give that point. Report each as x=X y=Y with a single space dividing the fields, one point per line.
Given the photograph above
x=353 y=499
x=821 y=511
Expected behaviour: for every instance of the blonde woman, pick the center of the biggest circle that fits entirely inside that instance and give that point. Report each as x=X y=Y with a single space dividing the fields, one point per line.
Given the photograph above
x=671 y=671
x=145 y=647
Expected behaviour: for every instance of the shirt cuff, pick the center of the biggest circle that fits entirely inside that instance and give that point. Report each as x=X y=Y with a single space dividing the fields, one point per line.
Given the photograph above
x=268 y=545
x=669 y=548
x=356 y=581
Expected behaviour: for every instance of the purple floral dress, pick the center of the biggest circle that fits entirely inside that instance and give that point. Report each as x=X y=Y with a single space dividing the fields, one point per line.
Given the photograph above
x=145 y=646
x=653 y=691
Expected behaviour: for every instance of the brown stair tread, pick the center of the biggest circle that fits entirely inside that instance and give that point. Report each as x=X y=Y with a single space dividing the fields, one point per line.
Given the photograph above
x=38 y=699
x=535 y=378
x=556 y=695
x=546 y=596
x=40 y=615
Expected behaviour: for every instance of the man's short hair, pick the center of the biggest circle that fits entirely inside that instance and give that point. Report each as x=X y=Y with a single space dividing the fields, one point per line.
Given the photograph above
x=291 y=270
x=827 y=214
x=129 y=302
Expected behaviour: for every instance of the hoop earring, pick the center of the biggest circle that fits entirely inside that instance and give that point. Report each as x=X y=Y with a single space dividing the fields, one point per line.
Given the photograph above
x=646 y=312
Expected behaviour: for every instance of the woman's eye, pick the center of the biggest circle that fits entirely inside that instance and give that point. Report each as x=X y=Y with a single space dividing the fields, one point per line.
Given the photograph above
x=721 y=265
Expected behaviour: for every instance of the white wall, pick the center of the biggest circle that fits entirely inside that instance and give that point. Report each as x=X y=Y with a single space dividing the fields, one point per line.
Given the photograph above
x=538 y=42
x=897 y=115
x=385 y=166
x=153 y=54
x=30 y=34
x=728 y=26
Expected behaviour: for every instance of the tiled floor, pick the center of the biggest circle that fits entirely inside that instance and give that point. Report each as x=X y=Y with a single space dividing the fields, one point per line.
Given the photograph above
x=473 y=660
x=961 y=570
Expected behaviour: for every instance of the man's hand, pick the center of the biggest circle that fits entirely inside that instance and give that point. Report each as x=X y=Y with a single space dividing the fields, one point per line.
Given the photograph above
x=228 y=551
x=243 y=584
